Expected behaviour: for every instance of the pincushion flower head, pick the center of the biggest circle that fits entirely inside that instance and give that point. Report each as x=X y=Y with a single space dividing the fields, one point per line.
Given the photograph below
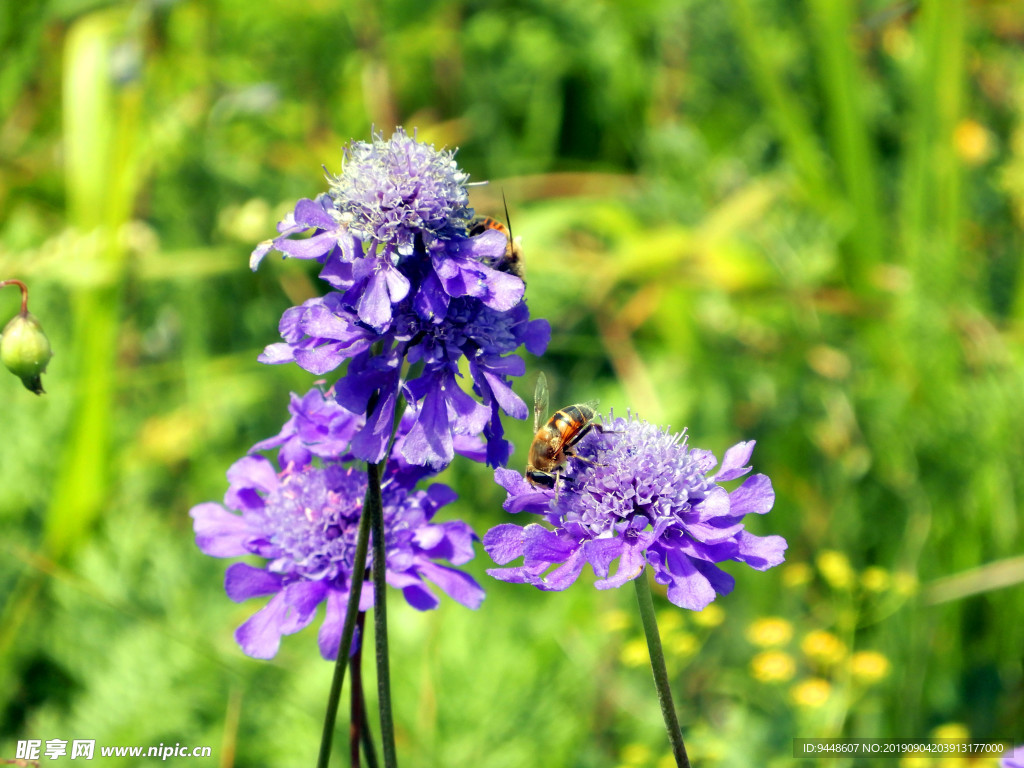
x=301 y=514
x=409 y=288
x=643 y=497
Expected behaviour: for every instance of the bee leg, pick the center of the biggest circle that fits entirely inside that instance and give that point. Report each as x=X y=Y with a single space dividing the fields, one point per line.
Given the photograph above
x=585 y=460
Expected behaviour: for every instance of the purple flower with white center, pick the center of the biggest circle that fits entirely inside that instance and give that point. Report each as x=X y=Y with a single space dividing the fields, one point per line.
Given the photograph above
x=392 y=226
x=391 y=191
x=645 y=498
x=410 y=287
x=303 y=518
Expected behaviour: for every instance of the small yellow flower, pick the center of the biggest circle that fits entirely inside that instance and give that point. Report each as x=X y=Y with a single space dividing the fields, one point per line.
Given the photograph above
x=823 y=647
x=615 y=621
x=973 y=142
x=811 y=693
x=796 y=574
x=634 y=653
x=769 y=631
x=835 y=568
x=875 y=579
x=951 y=731
x=635 y=755
x=773 y=667
x=711 y=616
x=681 y=644
x=869 y=666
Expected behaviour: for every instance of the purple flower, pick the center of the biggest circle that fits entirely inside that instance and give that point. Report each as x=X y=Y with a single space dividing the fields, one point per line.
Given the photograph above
x=645 y=498
x=1015 y=760
x=409 y=287
x=302 y=517
x=391 y=191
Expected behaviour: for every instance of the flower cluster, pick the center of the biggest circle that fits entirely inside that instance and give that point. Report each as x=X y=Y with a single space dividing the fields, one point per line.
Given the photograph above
x=302 y=516
x=643 y=497
x=412 y=294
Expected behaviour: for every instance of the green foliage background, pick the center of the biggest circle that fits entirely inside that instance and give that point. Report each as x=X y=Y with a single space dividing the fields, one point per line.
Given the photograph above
x=798 y=222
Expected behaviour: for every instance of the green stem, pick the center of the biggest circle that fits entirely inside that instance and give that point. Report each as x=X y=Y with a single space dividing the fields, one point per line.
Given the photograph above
x=357 y=712
x=668 y=711
x=375 y=508
x=348 y=630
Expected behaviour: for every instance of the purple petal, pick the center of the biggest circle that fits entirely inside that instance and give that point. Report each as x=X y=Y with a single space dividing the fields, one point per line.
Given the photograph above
x=374 y=305
x=220 y=533
x=504 y=543
x=258 y=253
x=537 y=336
x=420 y=597
x=253 y=472
x=565 y=576
x=459 y=586
x=312 y=214
x=541 y=545
x=602 y=552
x=509 y=401
x=242 y=582
x=429 y=442
x=631 y=565
x=734 y=460
x=329 y=637
x=755 y=496
x=260 y=636
x=318 y=360
x=517 y=575
x=687 y=587
x=275 y=354
x=398 y=284
x=761 y=552
x=431 y=299
x=310 y=248
x=716 y=504
x=303 y=598
x=720 y=581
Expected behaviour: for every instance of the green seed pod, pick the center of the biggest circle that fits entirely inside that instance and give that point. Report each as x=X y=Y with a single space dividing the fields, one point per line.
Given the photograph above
x=25 y=350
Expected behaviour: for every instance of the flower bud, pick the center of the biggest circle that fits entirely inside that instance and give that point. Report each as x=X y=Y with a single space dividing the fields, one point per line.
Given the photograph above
x=25 y=350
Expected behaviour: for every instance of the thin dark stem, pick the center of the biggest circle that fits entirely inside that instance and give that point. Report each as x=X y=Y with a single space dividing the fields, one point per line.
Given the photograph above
x=366 y=735
x=348 y=630
x=668 y=710
x=374 y=506
x=24 y=293
x=357 y=714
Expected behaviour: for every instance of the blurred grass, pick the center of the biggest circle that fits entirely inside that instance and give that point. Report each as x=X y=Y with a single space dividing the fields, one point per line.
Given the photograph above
x=797 y=222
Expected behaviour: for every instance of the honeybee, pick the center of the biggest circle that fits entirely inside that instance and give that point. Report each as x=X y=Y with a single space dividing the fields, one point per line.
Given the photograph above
x=512 y=261
x=553 y=443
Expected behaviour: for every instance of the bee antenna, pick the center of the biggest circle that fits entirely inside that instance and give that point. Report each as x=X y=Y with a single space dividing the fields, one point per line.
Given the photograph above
x=508 y=220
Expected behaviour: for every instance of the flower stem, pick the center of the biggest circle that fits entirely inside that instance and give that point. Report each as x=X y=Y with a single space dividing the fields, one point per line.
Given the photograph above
x=375 y=508
x=357 y=714
x=24 y=293
x=348 y=630
x=668 y=710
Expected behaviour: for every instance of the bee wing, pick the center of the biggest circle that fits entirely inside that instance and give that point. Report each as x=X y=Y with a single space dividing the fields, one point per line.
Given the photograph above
x=540 y=402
